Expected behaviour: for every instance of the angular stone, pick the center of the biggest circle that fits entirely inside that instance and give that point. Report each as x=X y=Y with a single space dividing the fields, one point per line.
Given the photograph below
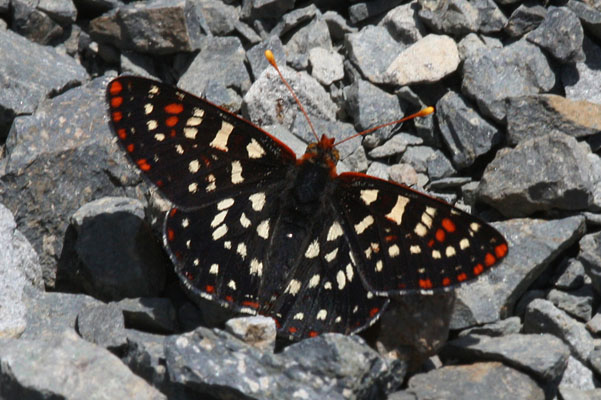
x=560 y=34
x=220 y=18
x=518 y=181
x=102 y=324
x=544 y=355
x=483 y=380
x=293 y=20
x=539 y=115
x=524 y=19
x=572 y=274
x=582 y=81
x=533 y=245
x=395 y=145
x=315 y=34
x=256 y=55
x=67 y=367
x=455 y=17
x=326 y=65
x=403 y=23
x=257 y=330
x=578 y=303
x=425 y=159
x=404 y=174
x=494 y=75
x=151 y=314
x=466 y=134
x=543 y=317
x=472 y=45
x=253 y=9
x=364 y=10
x=34 y=24
x=428 y=60
x=492 y=19
x=504 y=327
x=590 y=17
x=590 y=256
x=577 y=376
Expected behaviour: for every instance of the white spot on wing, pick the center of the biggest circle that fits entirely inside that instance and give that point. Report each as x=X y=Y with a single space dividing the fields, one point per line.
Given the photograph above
x=364 y=224
x=369 y=196
x=420 y=229
x=193 y=187
x=254 y=149
x=322 y=314
x=185 y=222
x=244 y=221
x=263 y=229
x=334 y=232
x=293 y=287
x=219 y=232
x=394 y=251
x=241 y=249
x=159 y=137
x=349 y=272
x=314 y=281
x=231 y=284
x=331 y=255
x=379 y=265
x=190 y=133
x=450 y=251
x=148 y=108
x=256 y=267
x=464 y=243
x=312 y=250
x=214 y=270
x=299 y=316
x=225 y=203
x=237 y=172
x=222 y=136
x=396 y=214
x=194 y=166
x=340 y=279
x=257 y=200
x=152 y=125
x=415 y=249
x=474 y=227
x=435 y=254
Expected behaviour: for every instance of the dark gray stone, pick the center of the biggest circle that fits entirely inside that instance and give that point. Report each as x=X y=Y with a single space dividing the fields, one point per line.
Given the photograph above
x=578 y=303
x=372 y=50
x=590 y=17
x=533 y=245
x=151 y=314
x=403 y=24
x=256 y=330
x=504 y=327
x=518 y=69
x=107 y=236
x=590 y=256
x=34 y=24
x=370 y=106
x=216 y=363
x=560 y=34
x=572 y=274
x=62 y=11
x=539 y=115
x=247 y=33
x=466 y=134
x=378 y=170
x=315 y=34
x=595 y=360
x=582 y=81
x=492 y=19
x=524 y=19
x=356 y=161
x=366 y=9
x=473 y=44
x=395 y=145
x=66 y=367
x=483 y=380
x=294 y=19
x=577 y=375
x=137 y=64
x=543 y=317
x=432 y=162
x=220 y=18
x=256 y=55
x=46 y=177
x=253 y=9
x=155 y=27
x=102 y=324
x=454 y=17
x=451 y=182
x=269 y=102
x=544 y=356
x=518 y=181
x=337 y=25
x=221 y=60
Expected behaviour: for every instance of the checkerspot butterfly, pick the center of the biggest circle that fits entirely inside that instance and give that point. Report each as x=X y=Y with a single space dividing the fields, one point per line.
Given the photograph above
x=259 y=230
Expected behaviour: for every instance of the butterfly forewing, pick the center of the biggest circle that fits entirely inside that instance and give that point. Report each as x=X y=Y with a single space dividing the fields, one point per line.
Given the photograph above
x=407 y=241
x=192 y=150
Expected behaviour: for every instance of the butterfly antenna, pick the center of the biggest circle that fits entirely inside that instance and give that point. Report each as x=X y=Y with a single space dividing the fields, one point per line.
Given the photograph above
x=269 y=56
x=422 y=113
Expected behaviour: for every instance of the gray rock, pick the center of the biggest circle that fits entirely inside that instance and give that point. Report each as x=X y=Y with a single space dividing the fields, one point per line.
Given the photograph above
x=62 y=11
x=256 y=330
x=256 y=55
x=252 y=9
x=278 y=107
x=404 y=174
x=155 y=27
x=428 y=60
x=220 y=18
x=403 y=24
x=594 y=324
x=378 y=170
x=569 y=393
x=137 y=64
x=293 y=20
x=572 y=274
x=466 y=134
x=590 y=17
x=102 y=324
x=544 y=356
x=473 y=44
x=247 y=33
x=483 y=380
x=492 y=19
x=577 y=376
x=107 y=236
x=370 y=106
x=67 y=367
x=151 y=314
x=524 y=19
x=215 y=363
x=364 y=10
x=326 y=65
x=538 y=115
x=560 y=34
x=4 y=6
x=51 y=313
x=590 y=256
x=425 y=159
x=543 y=317
x=356 y=161
x=492 y=76
x=451 y=182
x=315 y=34
x=582 y=81
x=395 y=145
x=533 y=245
x=287 y=137
x=519 y=181
x=578 y=303
x=372 y=50
x=33 y=23
x=337 y=25
x=454 y=18
x=221 y=59
x=595 y=360
x=504 y=327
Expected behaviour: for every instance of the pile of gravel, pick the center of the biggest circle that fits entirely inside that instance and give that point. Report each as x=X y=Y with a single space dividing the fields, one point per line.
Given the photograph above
x=89 y=304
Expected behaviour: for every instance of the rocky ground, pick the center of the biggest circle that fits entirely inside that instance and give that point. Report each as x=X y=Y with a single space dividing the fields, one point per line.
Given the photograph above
x=89 y=304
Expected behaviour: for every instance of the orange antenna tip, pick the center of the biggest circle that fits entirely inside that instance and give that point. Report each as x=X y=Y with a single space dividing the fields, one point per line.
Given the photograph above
x=426 y=111
x=270 y=57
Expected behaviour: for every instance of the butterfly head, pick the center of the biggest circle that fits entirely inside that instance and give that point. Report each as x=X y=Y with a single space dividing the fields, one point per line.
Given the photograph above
x=322 y=152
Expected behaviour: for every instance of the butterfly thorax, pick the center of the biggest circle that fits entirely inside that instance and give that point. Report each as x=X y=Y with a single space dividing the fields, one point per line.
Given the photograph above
x=322 y=153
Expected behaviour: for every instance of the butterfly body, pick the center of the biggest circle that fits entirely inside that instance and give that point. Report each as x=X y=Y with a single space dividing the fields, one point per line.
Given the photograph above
x=259 y=230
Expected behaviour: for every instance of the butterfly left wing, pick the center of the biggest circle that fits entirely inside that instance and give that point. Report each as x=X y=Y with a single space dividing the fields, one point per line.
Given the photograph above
x=406 y=241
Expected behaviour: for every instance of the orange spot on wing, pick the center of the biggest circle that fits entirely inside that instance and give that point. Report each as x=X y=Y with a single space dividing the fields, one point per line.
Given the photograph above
x=171 y=121
x=117 y=116
x=170 y=234
x=501 y=250
x=210 y=289
x=121 y=133
x=425 y=283
x=292 y=329
x=448 y=225
x=446 y=281
x=391 y=238
x=159 y=183
x=143 y=164
x=461 y=277
x=174 y=108
x=229 y=298
x=440 y=235
x=115 y=88
x=431 y=243
x=313 y=333
x=173 y=133
x=116 y=101
x=478 y=269
x=489 y=259
x=172 y=212
x=130 y=147
x=251 y=304
x=374 y=311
